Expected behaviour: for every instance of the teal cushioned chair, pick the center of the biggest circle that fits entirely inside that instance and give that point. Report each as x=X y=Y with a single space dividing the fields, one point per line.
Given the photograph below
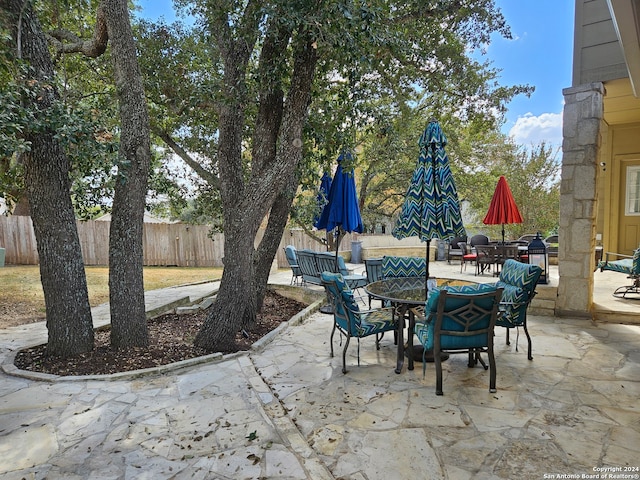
x=519 y=281
x=403 y=267
x=349 y=320
x=327 y=262
x=460 y=320
x=292 y=259
x=373 y=268
x=627 y=264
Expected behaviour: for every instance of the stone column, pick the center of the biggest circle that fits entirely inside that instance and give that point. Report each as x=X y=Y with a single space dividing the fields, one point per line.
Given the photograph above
x=581 y=130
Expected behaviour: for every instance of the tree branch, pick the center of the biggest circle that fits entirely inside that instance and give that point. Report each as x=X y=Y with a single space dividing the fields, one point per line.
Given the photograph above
x=66 y=42
x=203 y=173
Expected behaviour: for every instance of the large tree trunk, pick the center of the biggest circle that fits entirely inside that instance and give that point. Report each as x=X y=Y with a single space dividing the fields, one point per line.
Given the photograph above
x=245 y=205
x=46 y=169
x=126 y=287
x=268 y=248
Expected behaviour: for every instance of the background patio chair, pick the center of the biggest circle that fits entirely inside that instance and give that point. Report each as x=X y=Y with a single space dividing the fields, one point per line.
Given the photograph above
x=373 y=269
x=327 y=262
x=552 y=245
x=460 y=320
x=454 y=250
x=349 y=320
x=479 y=240
x=485 y=258
x=526 y=239
x=519 y=281
x=296 y=273
x=504 y=253
x=468 y=256
x=627 y=264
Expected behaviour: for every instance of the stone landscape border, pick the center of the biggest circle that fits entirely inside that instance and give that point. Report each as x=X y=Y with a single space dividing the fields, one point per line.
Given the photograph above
x=8 y=365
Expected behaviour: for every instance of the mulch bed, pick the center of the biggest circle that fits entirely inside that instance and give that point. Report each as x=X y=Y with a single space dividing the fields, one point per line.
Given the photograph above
x=171 y=340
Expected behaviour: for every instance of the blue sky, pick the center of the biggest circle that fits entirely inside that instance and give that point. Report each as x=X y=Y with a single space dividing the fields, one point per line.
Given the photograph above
x=540 y=54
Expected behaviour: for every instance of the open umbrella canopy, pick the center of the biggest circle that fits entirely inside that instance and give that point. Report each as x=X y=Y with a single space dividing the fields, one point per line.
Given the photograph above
x=431 y=208
x=342 y=210
x=323 y=197
x=502 y=209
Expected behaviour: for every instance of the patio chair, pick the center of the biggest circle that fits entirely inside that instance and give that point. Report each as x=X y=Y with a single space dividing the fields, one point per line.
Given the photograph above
x=627 y=264
x=460 y=320
x=296 y=273
x=467 y=256
x=479 y=240
x=403 y=267
x=454 y=250
x=373 y=268
x=504 y=253
x=526 y=239
x=519 y=281
x=552 y=245
x=485 y=258
x=349 y=320
x=327 y=262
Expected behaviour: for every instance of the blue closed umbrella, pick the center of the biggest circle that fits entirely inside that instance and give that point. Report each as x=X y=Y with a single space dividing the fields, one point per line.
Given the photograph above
x=323 y=197
x=342 y=210
x=431 y=208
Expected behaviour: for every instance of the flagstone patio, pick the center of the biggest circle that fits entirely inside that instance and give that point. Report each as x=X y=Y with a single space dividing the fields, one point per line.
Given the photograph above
x=285 y=410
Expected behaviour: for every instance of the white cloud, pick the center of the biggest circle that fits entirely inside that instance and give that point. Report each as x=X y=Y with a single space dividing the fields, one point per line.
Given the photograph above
x=532 y=130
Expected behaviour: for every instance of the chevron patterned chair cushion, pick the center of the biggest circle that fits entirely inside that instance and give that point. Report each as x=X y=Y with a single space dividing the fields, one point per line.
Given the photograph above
x=519 y=281
x=520 y=274
x=403 y=267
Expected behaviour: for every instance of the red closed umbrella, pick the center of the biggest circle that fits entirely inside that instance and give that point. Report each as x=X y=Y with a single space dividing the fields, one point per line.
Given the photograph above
x=503 y=208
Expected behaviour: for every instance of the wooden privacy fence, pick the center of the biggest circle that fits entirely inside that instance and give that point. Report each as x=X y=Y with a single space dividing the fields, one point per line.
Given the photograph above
x=163 y=243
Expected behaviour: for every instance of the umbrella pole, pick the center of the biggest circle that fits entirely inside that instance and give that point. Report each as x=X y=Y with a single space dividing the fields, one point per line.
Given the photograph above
x=426 y=273
x=503 y=233
x=337 y=247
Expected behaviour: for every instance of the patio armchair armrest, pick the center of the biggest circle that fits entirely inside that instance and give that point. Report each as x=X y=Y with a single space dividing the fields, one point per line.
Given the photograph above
x=361 y=299
x=615 y=256
x=360 y=311
x=420 y=314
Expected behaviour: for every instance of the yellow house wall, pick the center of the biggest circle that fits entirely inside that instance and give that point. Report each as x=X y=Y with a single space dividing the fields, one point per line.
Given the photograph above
x=623 y=143
x=603 y=188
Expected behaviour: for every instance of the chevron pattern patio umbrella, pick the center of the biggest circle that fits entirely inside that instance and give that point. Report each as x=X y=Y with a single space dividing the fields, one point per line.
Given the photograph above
x=431 y=208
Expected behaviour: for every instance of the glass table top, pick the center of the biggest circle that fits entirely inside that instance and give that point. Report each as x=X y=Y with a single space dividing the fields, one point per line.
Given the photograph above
x=410 y=290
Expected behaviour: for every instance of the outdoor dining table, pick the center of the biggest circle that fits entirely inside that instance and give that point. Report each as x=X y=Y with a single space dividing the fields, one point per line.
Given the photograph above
x=498 y=252
x=405 y=294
